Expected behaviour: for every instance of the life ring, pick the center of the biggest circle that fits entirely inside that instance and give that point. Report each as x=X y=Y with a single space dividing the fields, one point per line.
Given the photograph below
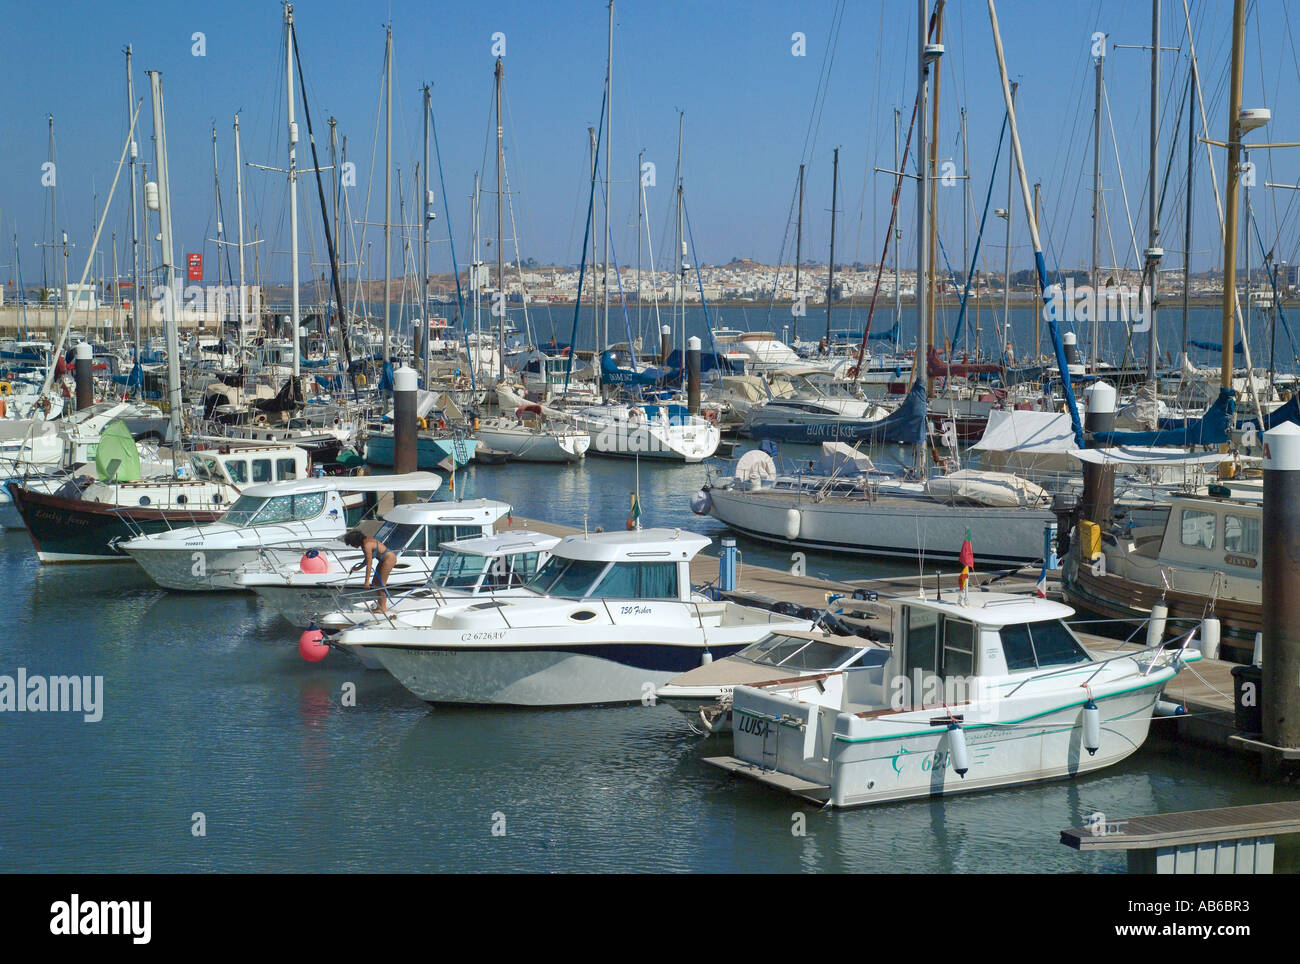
x=6 y=388
x=261 y=419
x=853 y=373
x=424 y=423
x=361 y=381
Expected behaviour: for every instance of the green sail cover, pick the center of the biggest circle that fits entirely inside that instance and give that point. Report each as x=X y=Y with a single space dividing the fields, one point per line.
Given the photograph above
x=117 y=458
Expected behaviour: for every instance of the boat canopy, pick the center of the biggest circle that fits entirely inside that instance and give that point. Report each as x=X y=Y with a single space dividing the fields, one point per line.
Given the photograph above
x=1209 y=429
x=1127 y=456
x=410 y=482
x=503 y=544
x=472 y=512
x=643 y=545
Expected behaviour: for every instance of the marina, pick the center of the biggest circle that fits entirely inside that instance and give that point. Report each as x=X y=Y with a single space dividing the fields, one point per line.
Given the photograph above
x=377 y=525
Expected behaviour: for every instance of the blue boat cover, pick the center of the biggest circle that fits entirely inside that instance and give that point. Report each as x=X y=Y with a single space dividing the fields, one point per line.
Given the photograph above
x=1209 y=429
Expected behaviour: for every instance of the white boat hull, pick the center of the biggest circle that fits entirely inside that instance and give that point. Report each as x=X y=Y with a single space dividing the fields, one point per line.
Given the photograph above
x=849 y=772
x=890 y=527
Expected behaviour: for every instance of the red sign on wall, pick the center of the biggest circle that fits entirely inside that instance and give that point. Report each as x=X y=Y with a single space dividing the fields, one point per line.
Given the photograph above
x=195 y=262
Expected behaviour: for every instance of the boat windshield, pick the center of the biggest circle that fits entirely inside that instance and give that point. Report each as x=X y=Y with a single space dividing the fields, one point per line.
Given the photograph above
x=396 y=536
x=796 y=654
x=571 y=578
x=243 y=511
x=1041 y=645
x=250 y=510
x=457 y=570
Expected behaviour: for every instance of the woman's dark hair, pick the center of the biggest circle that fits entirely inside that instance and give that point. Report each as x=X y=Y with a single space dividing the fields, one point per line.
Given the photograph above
x=355 y=538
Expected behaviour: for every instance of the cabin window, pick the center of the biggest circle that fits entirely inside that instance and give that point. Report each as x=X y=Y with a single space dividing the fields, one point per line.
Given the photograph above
x=308 y=506
x=1040 y=645
x=1241 y=535
x=815 y=655
x=262 y=470
x=396 y=536
x=639 y=580
x=565 y=577
x=922 y=639
x=286 y=468
x=458 y=570
x=958 y=648
x=238 y=470
x=1198 y=528
x=509 y=572
x=242 y=512
x=277 y=509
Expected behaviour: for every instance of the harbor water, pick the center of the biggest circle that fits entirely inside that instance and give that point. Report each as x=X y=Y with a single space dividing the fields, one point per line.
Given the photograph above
x=212 y=722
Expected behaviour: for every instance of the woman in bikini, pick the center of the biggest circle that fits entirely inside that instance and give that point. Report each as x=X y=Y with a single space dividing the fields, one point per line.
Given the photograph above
x=380 y=556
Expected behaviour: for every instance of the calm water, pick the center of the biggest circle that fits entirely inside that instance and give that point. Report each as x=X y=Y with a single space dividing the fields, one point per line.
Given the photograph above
x=208 y=708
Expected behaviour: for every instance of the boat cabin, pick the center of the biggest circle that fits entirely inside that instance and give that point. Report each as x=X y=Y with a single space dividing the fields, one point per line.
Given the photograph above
x=422 y=527
x=1213 y=535
x=241 y=465
x=645 y=564
x=491 y=563
x=940 y=643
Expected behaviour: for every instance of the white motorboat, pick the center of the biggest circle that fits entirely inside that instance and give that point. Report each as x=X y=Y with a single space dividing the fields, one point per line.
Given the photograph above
x=703 y=695
x=666 y=431
x=207 y=557
x=610 y=617
x=529 y=437
x=499 y=563
x=855 y=509
x=987 y=692
x=303 y=582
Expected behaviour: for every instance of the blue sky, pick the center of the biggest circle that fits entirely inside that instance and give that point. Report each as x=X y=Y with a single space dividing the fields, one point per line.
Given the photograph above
x=728 y=64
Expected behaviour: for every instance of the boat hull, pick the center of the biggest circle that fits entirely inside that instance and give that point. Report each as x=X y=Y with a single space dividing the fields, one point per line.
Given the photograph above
x=430 y=452
x=572 y=675
x=890 y=527
x=72 y=530
x=886 y=769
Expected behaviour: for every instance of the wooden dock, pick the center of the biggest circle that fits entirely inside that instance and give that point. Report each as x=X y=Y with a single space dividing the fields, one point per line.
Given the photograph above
x=1228 y=840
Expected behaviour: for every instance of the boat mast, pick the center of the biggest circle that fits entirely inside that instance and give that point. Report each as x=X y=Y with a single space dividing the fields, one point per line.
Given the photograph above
x=1187 y=223
x=1154 y=253
x=679 y=283
x=640 y=203
x=1098 y=66
x=499 y=307
x=830 y=273
x=898 y=242
x=294 y=311
x=922 y=204
x=609 y=121
x=135 y=222
x=54 y=231
x=1011 y=211
x=798 y=255
x=388 y=188
x=931 y=278
x=168 y=261
x=965 y=226
x=239 y=216
x=426 y=211
x=1234 y=172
